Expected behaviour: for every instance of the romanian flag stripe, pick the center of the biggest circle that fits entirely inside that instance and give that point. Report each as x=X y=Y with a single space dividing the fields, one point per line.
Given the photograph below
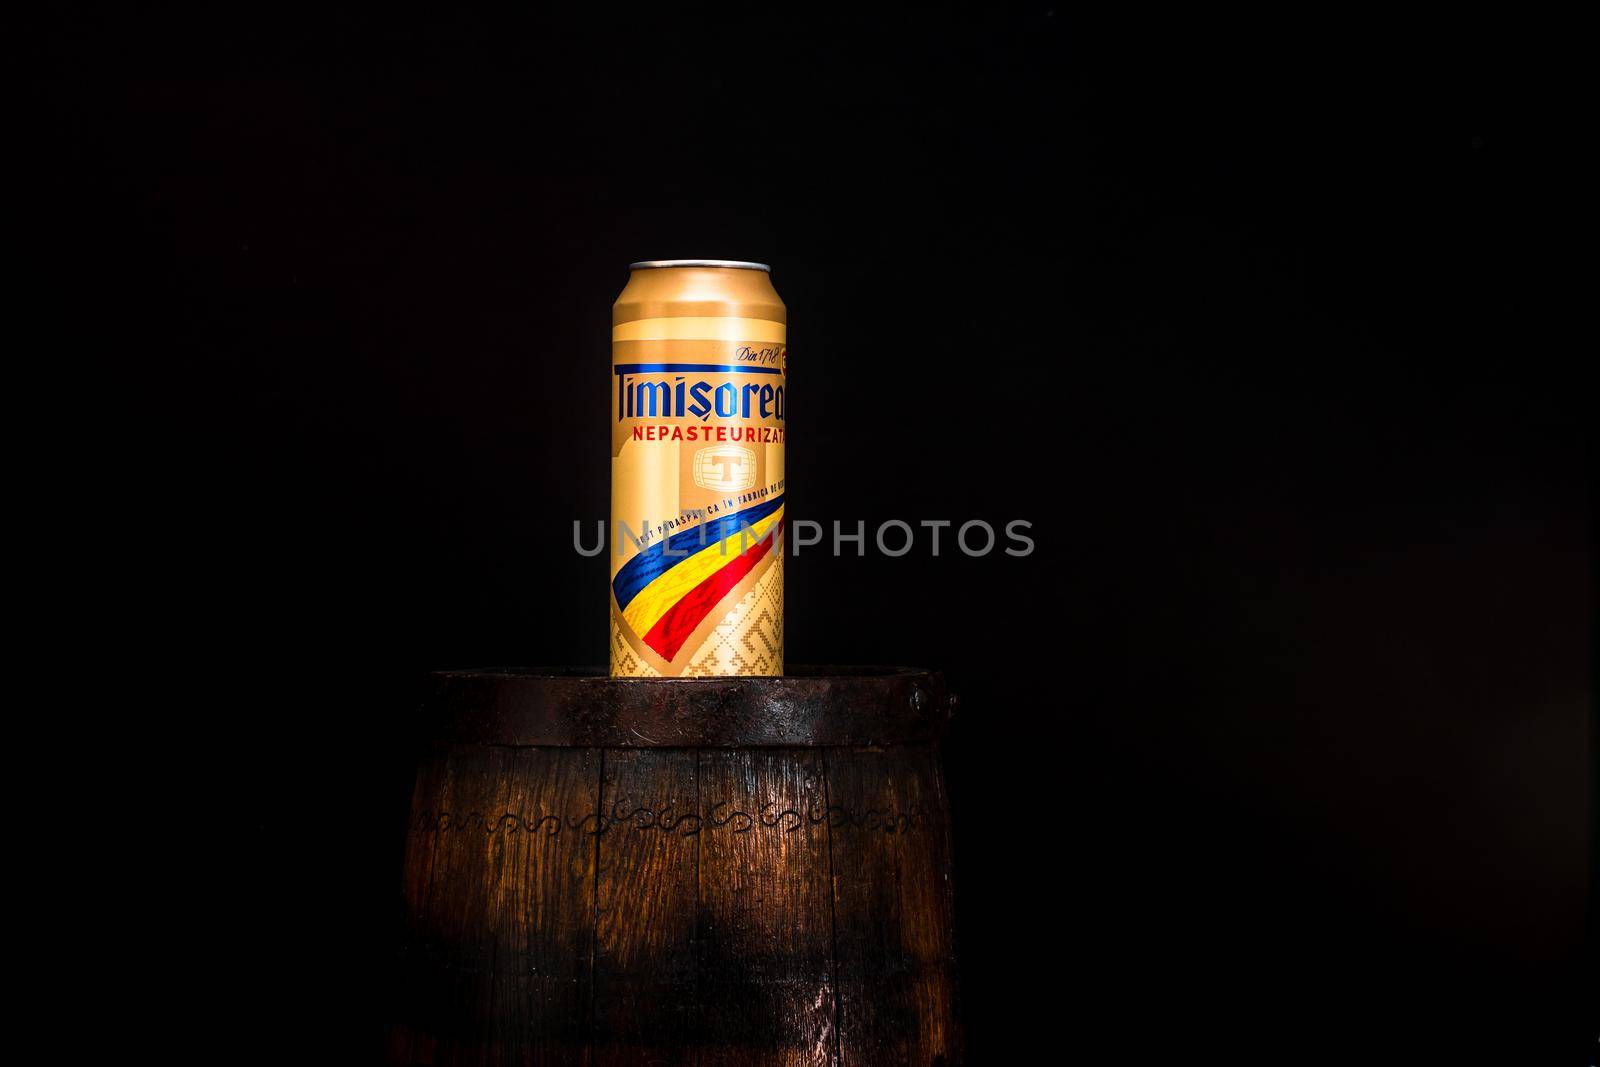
x=654 y=561
x=657 y=598
x=673 y=629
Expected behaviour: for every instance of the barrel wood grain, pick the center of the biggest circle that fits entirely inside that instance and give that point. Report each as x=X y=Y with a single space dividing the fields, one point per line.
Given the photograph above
x=644 y=963
x=499 y=891
x=766 y=930
x=545 y=987
x=892 y=904
x=704 y=905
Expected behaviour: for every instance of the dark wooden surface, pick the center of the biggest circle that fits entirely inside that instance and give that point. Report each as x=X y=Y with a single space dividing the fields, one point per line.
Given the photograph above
x=716 y=903
x=811 y=706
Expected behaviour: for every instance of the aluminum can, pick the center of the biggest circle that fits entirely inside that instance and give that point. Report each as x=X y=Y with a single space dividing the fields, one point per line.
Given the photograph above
x=699 y=364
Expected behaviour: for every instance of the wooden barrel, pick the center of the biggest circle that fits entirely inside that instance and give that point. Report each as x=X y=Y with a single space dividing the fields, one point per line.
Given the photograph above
x=710 y=871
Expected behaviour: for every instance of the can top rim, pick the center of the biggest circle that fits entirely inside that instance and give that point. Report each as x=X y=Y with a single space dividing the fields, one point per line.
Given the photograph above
x=736 y=264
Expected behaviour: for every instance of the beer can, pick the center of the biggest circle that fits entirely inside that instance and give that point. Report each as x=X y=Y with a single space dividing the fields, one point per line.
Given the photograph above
x=699 y=361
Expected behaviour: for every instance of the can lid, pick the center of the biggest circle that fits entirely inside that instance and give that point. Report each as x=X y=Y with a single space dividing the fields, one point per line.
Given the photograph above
x=735 y=264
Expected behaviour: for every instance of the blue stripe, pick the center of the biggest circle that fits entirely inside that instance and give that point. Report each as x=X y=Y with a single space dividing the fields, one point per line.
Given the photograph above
x=673 y=368
x=653 y=562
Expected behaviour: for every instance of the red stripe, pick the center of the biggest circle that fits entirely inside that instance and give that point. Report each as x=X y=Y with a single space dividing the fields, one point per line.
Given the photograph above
x=673 y=629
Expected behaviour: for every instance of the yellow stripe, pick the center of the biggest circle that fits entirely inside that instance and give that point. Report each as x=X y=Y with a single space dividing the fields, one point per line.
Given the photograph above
x=690 y=328
x=669 y=587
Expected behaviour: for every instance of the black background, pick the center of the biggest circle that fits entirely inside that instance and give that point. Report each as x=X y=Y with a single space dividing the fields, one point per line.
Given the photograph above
x=1276 y=749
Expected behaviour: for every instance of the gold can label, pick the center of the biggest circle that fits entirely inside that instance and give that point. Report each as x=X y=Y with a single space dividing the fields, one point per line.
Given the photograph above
x=697 y=496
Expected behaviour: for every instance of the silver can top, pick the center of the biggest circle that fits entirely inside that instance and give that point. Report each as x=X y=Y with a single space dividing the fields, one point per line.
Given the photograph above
x=735 y=264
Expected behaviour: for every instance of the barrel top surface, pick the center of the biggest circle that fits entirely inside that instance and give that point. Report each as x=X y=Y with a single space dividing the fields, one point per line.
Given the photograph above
x=808 y=706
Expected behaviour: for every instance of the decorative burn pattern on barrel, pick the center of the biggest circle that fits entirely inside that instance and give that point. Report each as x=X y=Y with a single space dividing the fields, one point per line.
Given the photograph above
x=673 y=905
x=669 y=817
